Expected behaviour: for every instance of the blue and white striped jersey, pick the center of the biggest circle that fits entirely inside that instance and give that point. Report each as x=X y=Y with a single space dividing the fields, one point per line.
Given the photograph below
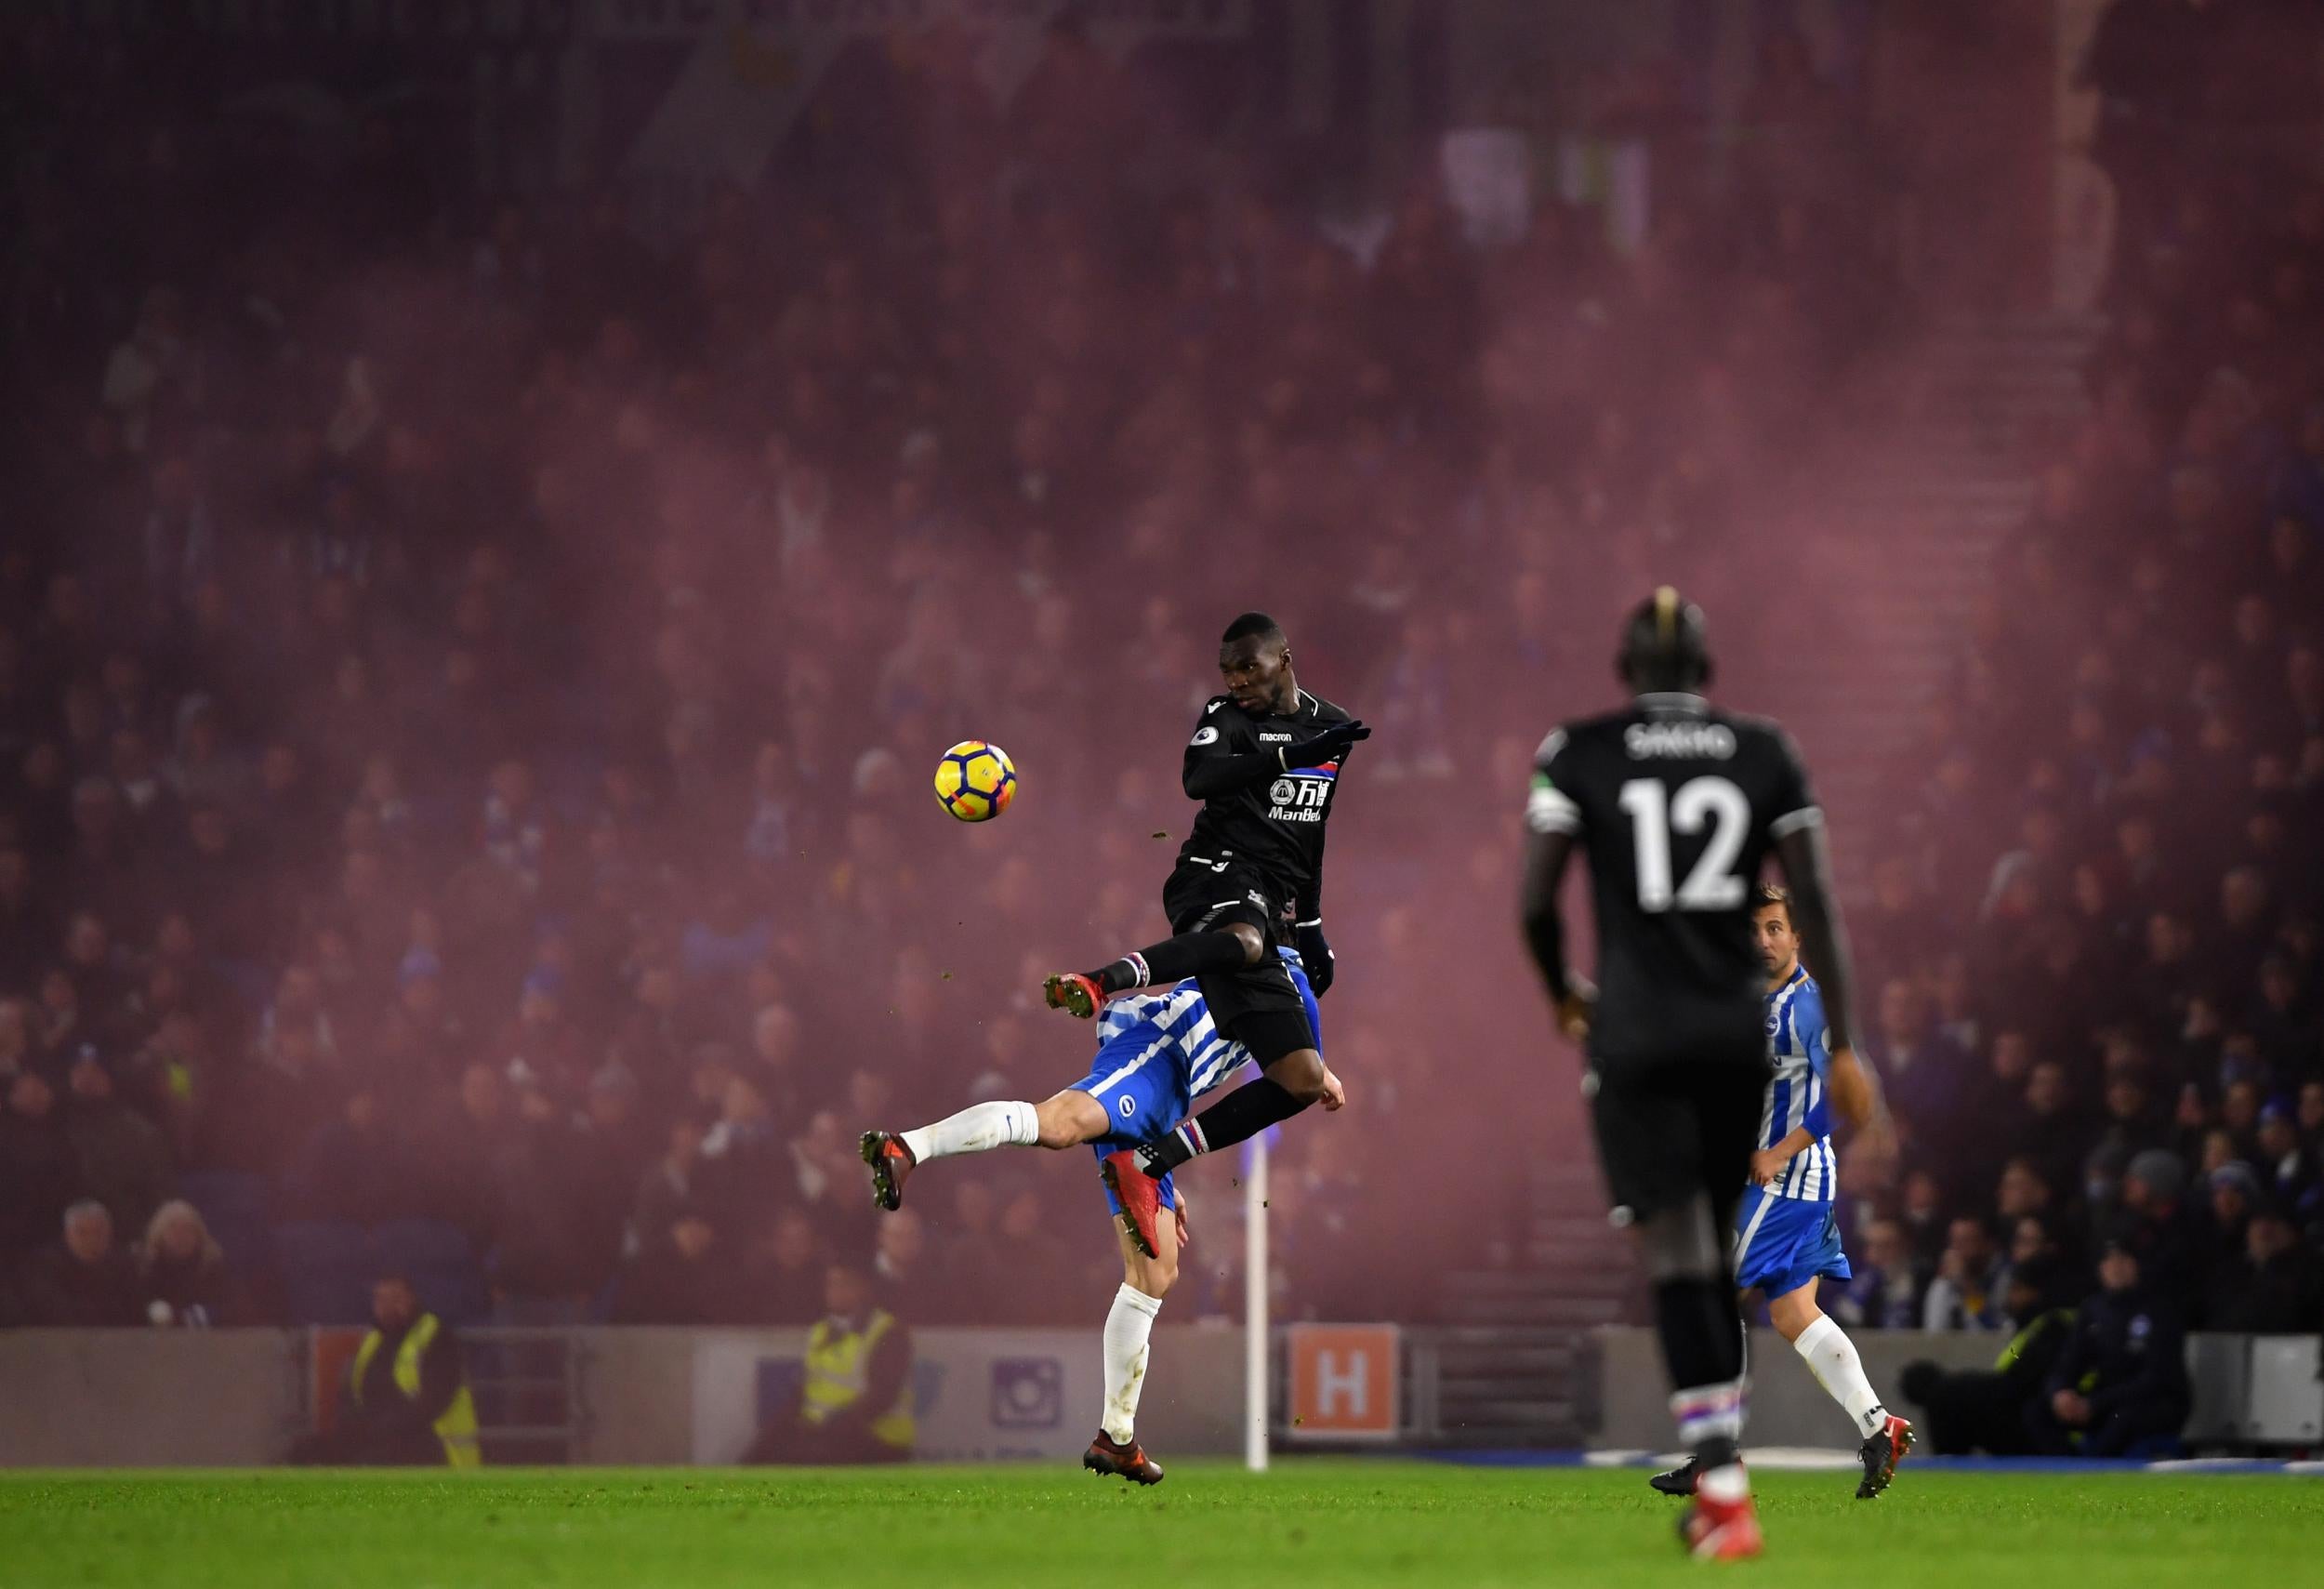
x=1800 y=1047
x=1172 y=1024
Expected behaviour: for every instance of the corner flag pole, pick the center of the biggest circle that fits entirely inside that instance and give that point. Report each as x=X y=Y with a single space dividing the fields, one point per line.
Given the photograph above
x=1255 y=1354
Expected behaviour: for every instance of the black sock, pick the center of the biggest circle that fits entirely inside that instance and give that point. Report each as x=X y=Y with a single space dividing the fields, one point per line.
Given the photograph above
x=1701 y=1343
x=1173 y=959
x=1238 y=1117
x=1702 y=1347
x=1718 y=1451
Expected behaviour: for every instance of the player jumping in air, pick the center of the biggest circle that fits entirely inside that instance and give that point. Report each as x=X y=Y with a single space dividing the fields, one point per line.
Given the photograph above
x=1158 y=1051
x=1786 y=1238
x=1265 y=761
x=1677 y=806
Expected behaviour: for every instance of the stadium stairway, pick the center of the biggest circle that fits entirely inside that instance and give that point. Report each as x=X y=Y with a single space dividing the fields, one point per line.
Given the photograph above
x=1909 y=542
x=1515 y=1339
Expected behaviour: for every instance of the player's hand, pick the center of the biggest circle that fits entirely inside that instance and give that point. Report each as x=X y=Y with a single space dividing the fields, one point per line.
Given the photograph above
x=1767 y=1167
x=1334 y=1095
x=1315 y=957
x=1324 y=746
x=1576 y=1009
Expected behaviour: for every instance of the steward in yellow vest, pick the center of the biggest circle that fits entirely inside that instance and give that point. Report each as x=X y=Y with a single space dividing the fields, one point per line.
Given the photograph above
x=1984 y=1409
x=406 y=1399
x=855 y=1396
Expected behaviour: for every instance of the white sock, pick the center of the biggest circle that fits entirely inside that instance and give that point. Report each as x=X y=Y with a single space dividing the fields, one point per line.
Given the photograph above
x=980 y=1128
x=1708 y=1413
x=1831 y=1357
x=1128 y=1323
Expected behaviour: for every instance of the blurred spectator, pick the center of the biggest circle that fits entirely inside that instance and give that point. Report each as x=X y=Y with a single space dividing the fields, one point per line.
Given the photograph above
x=184 y=1274
x=855 y=1396
x=405 y=1400
x=739 y=1165
x=2048 y=1134
x=667 y=1187
x=357 y=1169
x=121 y=1158
x=1925 y=1072
x=1966 y=1293
x=2235 y=1192
x=2274 y=1287
x=2286 y=1164
x=784 y=1274
x=2163 y=1231
x=1885 y=1290
x=85 y=1279
x=38 y=1170
x=2022 y=1193
x=683 y=1275
x=556 y=1234
x=2121 y=1378
x=1036 y=1266
x=1920 y=1217
x=904 y=1274
x=274 y=1105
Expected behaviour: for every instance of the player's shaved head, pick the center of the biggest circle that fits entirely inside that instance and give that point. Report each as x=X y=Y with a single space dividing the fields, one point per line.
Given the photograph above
x=1252 y=625
x=1255 y=660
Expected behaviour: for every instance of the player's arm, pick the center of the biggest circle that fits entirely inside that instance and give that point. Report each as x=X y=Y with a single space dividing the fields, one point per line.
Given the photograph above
x=1797 y=829
x=1849 y=1090
x=1854 y=1095
x=1552 y=823
x=1307 y=923
x=1221 y=757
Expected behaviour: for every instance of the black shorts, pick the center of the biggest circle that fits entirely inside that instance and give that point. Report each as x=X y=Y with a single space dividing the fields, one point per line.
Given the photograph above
x=1670 y=1130
x=1259 y=1006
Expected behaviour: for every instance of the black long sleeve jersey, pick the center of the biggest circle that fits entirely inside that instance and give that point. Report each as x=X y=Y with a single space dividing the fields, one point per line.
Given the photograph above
x=1258 y=806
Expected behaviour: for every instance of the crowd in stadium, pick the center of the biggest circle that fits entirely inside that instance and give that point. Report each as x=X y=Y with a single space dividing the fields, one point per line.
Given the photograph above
x=466 y=693
x=466 y=687
x=2094 y=926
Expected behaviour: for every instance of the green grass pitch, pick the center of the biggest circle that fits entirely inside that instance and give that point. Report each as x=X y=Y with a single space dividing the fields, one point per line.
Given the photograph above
x=1310 y=1522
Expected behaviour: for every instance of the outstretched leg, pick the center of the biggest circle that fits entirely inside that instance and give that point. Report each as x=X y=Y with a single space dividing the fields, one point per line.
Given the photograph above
x=1064 y=1119
x=1200 y=953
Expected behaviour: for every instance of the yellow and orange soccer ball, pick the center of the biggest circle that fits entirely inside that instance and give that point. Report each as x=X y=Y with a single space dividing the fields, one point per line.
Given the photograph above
x=975 y=781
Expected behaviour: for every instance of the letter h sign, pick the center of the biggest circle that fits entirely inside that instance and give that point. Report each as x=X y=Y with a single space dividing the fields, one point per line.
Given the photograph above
x=1343 y=1382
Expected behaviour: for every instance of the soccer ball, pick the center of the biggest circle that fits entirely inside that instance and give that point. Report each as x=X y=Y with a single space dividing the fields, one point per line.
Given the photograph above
x=975 y=781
